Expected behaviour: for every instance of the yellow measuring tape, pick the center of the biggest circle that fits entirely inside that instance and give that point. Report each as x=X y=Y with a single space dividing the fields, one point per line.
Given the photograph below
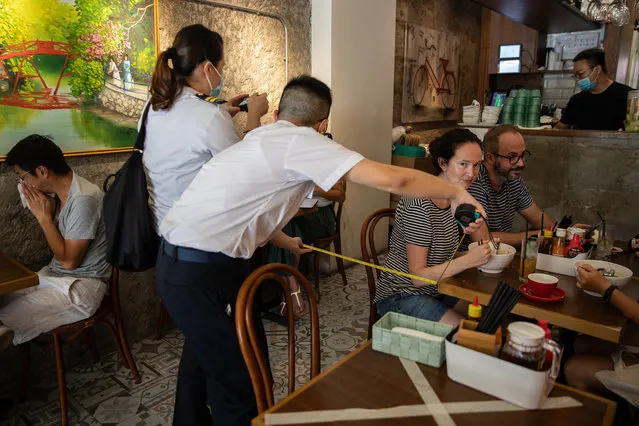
x=383 y=268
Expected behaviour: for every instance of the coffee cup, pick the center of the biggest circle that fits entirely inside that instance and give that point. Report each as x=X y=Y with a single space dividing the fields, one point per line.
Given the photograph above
x=542 y=284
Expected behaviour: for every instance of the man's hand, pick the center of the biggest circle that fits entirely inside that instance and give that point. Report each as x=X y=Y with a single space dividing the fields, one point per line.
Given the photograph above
x=294 y=245
x=463 y=197
x=589 y=279
x=41 y=205
x=233 y=105
x=474 y=226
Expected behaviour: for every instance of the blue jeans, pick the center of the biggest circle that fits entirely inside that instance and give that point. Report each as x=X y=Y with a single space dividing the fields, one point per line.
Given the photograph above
x=417 y=305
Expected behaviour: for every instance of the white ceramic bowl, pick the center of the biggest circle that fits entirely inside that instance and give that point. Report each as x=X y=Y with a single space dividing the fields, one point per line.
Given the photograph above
x=622 y=274
x=497 y=262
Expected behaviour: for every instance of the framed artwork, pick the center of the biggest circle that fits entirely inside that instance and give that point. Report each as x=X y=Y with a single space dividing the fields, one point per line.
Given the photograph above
x=431 y=75
x=76 y=70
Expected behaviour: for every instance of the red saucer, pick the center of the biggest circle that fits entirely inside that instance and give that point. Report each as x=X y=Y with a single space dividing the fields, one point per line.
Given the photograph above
x=557 y=294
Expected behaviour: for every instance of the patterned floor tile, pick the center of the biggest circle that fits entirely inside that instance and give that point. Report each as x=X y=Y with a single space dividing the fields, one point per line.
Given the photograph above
x=117 y=410
x=105 y=393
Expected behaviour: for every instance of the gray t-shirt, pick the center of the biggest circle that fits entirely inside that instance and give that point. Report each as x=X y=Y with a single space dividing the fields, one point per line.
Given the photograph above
x=81 y=219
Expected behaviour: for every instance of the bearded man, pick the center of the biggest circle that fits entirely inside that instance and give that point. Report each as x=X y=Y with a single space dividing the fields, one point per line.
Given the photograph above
x=500 y=188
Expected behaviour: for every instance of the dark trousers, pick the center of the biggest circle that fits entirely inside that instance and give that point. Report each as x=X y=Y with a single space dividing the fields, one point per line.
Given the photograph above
x=212 y=371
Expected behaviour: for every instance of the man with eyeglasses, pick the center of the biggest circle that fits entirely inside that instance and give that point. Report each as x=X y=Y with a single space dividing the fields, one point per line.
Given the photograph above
x=72 y=286
x=601 y=104
x=501 y=190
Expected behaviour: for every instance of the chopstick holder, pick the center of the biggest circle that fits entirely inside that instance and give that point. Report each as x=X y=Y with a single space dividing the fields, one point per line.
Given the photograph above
x=468 y=337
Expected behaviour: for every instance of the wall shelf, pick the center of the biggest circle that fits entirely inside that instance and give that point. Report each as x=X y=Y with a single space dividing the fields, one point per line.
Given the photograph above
x=533 y=72
x=546 y=16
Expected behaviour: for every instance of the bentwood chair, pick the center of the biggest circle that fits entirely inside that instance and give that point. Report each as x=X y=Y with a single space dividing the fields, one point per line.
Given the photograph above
x=252 y=352
x=110 y=307
x=369 y=254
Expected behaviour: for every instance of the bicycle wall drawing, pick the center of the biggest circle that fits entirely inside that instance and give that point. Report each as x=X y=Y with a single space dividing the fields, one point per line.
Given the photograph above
x=430 y=89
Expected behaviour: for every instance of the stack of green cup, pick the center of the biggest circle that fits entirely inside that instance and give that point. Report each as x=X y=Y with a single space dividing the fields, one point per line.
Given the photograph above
x=520 y=108
x=507 y=111
x=534 y=108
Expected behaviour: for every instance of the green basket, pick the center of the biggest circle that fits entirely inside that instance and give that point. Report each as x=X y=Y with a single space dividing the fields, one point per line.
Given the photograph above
x=409 y=151
x=409 y=347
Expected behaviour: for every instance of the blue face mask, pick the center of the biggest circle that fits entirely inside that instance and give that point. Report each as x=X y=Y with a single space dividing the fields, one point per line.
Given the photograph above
x=585 y=84
x=215 y=91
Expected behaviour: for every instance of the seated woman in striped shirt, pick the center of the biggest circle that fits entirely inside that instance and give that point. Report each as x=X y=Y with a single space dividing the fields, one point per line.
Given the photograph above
x=425 y=236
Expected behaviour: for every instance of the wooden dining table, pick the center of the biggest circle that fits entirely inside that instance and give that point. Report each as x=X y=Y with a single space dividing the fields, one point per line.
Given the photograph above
x=373 y=388
x=15 y=276
x=579 y=311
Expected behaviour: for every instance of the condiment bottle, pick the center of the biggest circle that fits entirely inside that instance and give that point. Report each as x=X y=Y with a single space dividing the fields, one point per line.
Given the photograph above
x=474 y=310
x=545 y=244
x=574 y=248
x=524 y=345
x=558 y=246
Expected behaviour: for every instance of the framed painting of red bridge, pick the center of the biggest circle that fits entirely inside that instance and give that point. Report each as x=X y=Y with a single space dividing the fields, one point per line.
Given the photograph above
x=76 y=70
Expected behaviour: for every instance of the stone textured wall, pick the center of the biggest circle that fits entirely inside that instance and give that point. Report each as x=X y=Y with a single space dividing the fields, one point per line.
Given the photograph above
x=121 y=103
x=254 y=62
x=462 y=17
x=253 y=45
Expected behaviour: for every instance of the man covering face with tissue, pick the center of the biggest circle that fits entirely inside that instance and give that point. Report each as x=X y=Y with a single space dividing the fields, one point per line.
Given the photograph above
x=68 y=208
x=601 y=103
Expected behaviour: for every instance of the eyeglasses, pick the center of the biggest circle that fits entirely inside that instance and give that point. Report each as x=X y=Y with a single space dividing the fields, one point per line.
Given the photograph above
x=21 y=177
x=514 y=159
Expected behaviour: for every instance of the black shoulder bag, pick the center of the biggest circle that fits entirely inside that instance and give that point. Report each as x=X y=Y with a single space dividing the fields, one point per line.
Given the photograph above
x=132 y=243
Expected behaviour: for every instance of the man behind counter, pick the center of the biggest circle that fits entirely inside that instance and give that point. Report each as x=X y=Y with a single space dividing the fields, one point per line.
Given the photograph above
x=601 y=104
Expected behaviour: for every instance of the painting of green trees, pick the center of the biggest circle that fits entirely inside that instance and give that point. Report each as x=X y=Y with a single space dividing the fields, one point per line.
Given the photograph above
x=68 y=62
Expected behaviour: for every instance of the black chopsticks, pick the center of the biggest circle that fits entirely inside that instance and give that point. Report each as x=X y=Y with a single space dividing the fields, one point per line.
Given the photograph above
x=500 y=305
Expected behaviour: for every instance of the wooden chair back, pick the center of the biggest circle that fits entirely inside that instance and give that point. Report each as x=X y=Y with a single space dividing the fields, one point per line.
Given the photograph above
x=249 y=342
x=369 y=254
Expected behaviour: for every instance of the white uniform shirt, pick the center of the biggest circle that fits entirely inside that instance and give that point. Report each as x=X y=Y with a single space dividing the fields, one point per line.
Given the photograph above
x=247 y=193
x=179 y=141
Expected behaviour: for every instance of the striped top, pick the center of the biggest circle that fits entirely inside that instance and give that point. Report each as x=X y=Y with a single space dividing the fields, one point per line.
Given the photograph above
x=500 y=206
x=422 y=223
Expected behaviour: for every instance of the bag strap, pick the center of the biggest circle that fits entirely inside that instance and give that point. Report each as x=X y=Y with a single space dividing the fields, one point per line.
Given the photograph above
x=139 y=141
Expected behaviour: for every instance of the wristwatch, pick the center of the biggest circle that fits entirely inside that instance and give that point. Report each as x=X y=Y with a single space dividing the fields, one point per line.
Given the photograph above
x=608 y=293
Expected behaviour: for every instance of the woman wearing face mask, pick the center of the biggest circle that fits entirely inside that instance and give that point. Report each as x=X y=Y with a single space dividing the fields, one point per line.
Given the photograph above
x=426 y=235
x=187 y=125
x=601 y=104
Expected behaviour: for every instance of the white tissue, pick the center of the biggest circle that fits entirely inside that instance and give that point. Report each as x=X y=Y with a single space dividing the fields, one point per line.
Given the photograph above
x=22 y=198
x=416 y=333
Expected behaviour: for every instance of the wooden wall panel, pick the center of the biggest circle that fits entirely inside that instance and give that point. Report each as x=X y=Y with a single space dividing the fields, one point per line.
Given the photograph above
x=504 y=30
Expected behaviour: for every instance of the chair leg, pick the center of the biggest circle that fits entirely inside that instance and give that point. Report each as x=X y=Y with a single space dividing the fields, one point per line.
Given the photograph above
x=164 y=316
x=340 y=262
x=89 y=337
x=25 y=357
x=316 y=276
x=117 y=313
x=116 y=340
x=62 y=387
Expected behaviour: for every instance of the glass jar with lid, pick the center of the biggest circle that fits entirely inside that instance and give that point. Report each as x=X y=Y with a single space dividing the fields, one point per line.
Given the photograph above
x=526 y=345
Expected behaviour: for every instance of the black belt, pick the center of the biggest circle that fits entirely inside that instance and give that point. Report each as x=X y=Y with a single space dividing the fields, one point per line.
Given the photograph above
x=186 y=254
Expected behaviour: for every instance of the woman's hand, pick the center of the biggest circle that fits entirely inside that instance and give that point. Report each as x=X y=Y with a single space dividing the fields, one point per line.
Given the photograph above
x=589 y=279
x=258 y=104
x=233 y=106
x=478 y=255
